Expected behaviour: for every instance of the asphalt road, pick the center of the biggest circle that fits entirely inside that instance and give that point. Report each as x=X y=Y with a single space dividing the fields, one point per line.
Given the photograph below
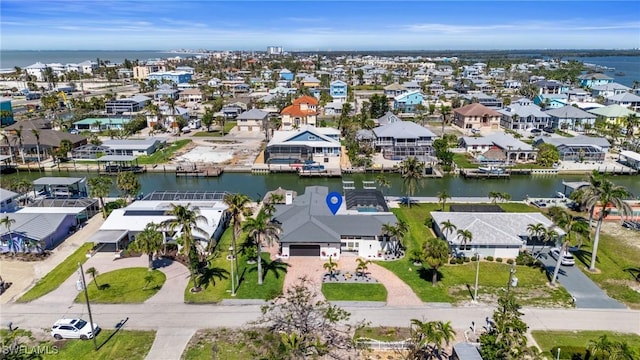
x=586 y=293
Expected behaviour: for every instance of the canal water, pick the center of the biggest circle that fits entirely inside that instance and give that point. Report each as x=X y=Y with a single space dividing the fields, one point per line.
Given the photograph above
x=255 y=186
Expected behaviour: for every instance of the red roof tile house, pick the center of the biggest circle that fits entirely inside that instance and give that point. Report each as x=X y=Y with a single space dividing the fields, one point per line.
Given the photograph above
x=303 y=111
x=476 y=117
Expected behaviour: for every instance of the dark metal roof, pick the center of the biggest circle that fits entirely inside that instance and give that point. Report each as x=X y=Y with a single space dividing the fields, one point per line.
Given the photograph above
x=483 y=208
x=366 y=198
x=185 y=195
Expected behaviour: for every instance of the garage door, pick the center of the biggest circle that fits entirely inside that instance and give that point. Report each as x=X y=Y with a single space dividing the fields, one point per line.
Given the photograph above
x=304 y=250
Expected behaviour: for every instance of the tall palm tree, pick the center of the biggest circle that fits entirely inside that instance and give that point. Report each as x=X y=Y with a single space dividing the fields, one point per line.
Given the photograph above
x=383 y=182
x=19 y=138
x=7 y=140
x=93 y=272
x=448 y=227
x=36 y=134
x=606 y=195
x=331 y=267
x=442 y=198
x=429 y=337
x=573 y=229
x=412 y=171
x=361 y=267
x=465 y=236
x=99 y=187
x=238 y=205
x=261 y=228
x=149 y=241
x=7 y=222
x=436 y=254
x=186 y=219
x=128 y=183
x=535 y=232
x=444 y=111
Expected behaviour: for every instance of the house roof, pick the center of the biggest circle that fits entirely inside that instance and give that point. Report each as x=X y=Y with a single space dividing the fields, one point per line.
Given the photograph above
x=287 y=137
x=492 y=228
x=394 y=86
x=610 y=86
x=253 y=114
x=500 y=139
x=305 y=99
x=66 y=181
x=476 y=109
x=387 y=118
x=35 y=226
x=597 y=76
x=524 y=111
x=624 y=97
x=309 y=220
x=294 y=110
x=574 y=141
x=569 y=111
x=403 y=130
x=407 y=95
x=613 y=111
x=7 y=194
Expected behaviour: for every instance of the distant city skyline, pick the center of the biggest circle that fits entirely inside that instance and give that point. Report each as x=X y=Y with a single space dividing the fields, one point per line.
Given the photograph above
x=318 y=25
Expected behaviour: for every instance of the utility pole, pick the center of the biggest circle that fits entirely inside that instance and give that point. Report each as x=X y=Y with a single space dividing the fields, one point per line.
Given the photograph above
x=86 y=296
x=475 y=292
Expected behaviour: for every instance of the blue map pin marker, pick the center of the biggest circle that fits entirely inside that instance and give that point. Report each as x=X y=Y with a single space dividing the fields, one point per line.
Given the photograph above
x=334 y=200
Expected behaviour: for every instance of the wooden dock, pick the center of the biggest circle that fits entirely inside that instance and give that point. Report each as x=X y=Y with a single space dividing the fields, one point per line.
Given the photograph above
x=320 y=173
x=475 y=174
x=199 y=172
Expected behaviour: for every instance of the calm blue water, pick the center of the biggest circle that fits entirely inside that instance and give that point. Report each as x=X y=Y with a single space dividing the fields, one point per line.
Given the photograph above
x=22 y=58
x=629 y=65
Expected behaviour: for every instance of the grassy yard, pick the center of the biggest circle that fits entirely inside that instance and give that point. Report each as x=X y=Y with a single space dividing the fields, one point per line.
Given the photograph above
x=123 y=345
x=228 y=125
x=571 y=342
x=274 y=273
x=58 y=275
x=463 y=161
x=354 y=292
x=383 y=333
x=518 y=207
x=456 y=281
x=124 y=286
x=163 y=155
x=614 y=256
x=223 y=343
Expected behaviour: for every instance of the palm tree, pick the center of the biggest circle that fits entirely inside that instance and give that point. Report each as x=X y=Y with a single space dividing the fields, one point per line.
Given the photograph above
x=186 y=220
x=465 y=236
x=448 y=227
x=149 y=242
x=18 y=139
x=36 y=134
x=574 y=229
x=436 y=254
x=602 y=347
x=261 y=228
x=442 y=198
x=445 y=111
x=128 y=183
x=605 y=195
x=7 y=222
x=93 y=272
x=331 y=267
x=361 y=268
x=7 y=140
x=99 y=187
x=412 y=171
x=535 y=231
x=428 y=338
x=494 y=195
x=238 y=205
x=383 y=182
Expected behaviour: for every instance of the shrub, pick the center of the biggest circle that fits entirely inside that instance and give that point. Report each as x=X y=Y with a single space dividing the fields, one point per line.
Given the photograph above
x=499 y=260
x=459 y=261
x=466 y=259
x=453 y=261
x=474 y=258
x=570 y=352
x=489 y=258
x=510 y=261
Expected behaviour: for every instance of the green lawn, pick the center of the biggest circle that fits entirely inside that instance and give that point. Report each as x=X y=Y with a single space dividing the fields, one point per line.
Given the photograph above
x=464 y=161
x=123 y=286
x=228 y=125
x=354 y=292
x=452 y=286
x=163 y=155
x=58 y=275
x=274 y=273
x=383 y=333
x=577 y=341
x=518 y=207
x=124 y=345
x=614 y=256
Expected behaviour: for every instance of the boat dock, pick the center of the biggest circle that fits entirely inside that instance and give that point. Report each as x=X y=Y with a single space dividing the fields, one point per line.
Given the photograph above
x=476 y=174
x=209 y=171
x=320 y=173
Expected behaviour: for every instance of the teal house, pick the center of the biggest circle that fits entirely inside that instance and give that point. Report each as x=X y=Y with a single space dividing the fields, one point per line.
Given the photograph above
x=6 y=112
x=407 y=102
x=594 y=79
x=100 y=124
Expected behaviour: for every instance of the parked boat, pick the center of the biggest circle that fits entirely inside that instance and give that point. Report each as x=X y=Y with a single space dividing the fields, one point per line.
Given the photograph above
x=491 y=170
x=619 y=73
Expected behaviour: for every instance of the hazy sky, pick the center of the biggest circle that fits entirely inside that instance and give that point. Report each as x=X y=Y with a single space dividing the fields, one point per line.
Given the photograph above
x=317 y=25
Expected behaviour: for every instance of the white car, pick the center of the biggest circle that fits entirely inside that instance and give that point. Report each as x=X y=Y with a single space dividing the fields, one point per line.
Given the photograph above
x=73 y=329
x=567 y=258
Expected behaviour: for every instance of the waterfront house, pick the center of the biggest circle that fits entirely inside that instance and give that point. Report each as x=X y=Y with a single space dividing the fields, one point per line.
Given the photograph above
x=33 y=232
x=578 y=148
x=36 y=70
x=122 y=225
x=48 y=142
x=252 y=120
x=523 y=115
x=8 y=201
x=628 y=100
x=128 y=105
x=498 y=146
x=474 y=117
x=496 y=234
x=133 y=147
x=614 y=114
x=551 y=101
x=338 y=91
x=609 y=89
x=570 y=117
x=321 y=145
x=594 y=79
x=401 y=139
x=61 y=187
x=303 y=111
x=407 y=102
x=310 y=229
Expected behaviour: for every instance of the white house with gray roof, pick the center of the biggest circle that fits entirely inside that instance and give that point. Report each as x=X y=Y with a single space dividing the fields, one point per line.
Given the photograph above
x=570 y=117
x=509 y=147
x=308 y=143
x=578 y=148
x=523 y=115
x=252 y=120
x=310 y=229
x=498 y=234
x=8 y=201
x=402 y=139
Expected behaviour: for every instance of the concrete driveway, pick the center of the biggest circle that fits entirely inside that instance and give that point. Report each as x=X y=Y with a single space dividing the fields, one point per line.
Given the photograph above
x=586 y=293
